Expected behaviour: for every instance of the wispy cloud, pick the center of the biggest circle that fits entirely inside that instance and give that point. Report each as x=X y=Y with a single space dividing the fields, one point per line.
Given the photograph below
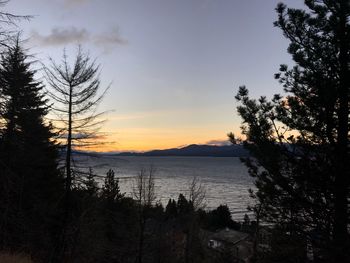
x=218 y=142
x=109 y=40
x=61 y=36
x=72 y=35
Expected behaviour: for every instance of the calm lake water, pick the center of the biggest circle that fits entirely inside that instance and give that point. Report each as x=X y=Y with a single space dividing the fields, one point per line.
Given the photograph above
x=225 y=179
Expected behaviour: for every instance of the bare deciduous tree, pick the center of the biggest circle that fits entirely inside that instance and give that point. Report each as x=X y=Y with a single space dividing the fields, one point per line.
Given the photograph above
x=75 y=93
x=197 y=199
x=197 y=194
x=144 y=187
x=145 y=195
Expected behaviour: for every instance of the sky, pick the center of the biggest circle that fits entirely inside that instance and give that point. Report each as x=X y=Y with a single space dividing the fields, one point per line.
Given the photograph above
x=173 y=66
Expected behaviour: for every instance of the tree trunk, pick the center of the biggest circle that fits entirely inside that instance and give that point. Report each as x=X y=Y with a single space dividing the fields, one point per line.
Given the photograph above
x=60 y=253
x=69 y=147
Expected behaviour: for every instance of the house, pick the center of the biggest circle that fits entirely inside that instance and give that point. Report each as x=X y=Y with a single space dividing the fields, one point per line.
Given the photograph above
x=239 y=243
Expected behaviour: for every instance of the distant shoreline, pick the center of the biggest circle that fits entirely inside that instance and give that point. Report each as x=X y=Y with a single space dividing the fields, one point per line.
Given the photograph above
x=193 y=150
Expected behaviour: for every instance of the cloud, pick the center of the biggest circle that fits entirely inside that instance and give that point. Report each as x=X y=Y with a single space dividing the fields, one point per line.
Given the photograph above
x=218 y=142
x=61 y=36
x=110 y=39
x=72 y=35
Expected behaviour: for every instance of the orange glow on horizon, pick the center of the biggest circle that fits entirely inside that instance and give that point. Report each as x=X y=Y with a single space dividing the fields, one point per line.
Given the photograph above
x=150 y=130
x=140 y=140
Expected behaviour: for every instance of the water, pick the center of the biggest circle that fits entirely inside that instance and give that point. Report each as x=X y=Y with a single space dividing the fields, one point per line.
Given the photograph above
x=225 y=179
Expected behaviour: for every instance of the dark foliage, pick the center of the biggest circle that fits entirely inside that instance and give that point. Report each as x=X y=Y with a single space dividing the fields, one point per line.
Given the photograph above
x=103 y=225
x=299 y=142
x=217 y=219
x=30 y=182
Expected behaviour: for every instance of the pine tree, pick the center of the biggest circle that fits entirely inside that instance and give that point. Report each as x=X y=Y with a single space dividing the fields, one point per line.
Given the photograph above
x=25 y=109
x=300 y=141
x=90 y=184
x=27 y=151
x=111 y=191
x=171 y=209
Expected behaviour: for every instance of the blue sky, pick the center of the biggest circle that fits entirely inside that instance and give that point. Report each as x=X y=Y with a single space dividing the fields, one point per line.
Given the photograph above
x=175 y=65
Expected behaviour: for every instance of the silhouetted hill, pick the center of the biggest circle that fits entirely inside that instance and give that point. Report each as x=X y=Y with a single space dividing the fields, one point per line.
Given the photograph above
x=195 y=150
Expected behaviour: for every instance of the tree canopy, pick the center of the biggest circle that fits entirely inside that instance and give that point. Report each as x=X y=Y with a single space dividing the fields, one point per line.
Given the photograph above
x=299 y=140
x=30 y=181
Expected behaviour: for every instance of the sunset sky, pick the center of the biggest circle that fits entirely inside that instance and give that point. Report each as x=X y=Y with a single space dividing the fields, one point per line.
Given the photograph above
x=175 y=65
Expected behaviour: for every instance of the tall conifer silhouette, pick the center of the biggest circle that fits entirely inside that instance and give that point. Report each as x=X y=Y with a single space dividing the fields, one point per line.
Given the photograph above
x=28 y=151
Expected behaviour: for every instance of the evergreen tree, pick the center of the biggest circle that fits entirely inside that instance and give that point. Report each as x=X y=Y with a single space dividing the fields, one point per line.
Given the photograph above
x=184 y=207
x=171 y=209
x=28 y=153
x=223 y=216
x=91 y=185
x=111 y=191
x=300 y=142
x=25 y=108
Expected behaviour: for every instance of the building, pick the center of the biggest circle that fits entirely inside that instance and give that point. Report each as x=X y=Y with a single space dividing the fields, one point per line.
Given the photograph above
x=238 y=243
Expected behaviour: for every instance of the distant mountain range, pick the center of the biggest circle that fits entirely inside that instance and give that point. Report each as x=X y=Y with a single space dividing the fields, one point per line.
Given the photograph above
x=194 y=150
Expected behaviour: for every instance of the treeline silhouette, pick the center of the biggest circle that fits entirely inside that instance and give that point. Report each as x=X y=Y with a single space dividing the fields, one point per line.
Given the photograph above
x=299 y=158
x=82 y=220
x=53 y=212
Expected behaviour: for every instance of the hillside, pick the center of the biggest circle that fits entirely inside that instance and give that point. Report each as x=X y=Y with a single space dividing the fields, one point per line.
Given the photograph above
x=195 y=150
